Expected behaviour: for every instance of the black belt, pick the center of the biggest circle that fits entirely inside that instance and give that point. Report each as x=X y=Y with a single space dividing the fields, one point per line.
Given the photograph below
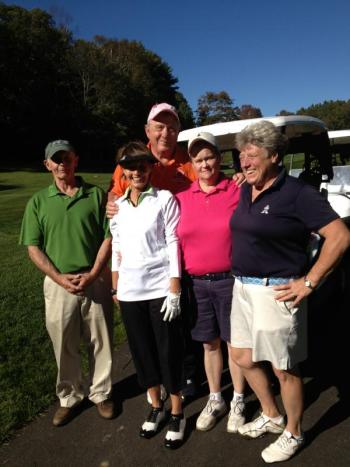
x=213 y=276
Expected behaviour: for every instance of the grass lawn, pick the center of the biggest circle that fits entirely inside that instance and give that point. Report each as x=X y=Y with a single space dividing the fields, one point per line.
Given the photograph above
x=27 y=364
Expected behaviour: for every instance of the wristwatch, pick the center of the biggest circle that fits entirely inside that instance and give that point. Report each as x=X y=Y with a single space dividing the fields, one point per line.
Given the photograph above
x=114 y=291
x=308 y=283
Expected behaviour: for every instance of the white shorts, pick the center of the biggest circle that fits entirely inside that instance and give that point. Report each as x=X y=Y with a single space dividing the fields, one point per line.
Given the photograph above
x=275 y=331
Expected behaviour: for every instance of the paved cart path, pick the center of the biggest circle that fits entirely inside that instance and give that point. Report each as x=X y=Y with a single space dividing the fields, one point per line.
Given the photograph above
x=89 y=440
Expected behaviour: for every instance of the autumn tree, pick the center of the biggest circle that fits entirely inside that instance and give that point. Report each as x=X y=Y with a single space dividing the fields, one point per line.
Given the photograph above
x=215 y=107
x=248 y=111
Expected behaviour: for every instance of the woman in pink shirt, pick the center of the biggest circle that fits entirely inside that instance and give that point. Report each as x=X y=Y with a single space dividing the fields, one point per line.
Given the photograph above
x=204 y=233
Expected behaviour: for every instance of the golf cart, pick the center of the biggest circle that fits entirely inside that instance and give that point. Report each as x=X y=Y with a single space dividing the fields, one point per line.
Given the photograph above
x=309 y=154
x=306 y=135
x=338 y=190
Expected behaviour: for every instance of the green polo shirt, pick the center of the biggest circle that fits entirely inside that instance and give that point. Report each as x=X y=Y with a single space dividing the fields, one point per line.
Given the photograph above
x=69 y=230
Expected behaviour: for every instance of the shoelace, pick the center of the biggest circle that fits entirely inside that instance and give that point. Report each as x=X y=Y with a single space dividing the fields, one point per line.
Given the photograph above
x=239 y=408
x=152 y=417
x=174 y=424
x=283 y=441
x=210 y=407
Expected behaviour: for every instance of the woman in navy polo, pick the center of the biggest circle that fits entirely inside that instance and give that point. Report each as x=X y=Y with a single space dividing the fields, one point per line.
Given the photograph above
x=270 y=232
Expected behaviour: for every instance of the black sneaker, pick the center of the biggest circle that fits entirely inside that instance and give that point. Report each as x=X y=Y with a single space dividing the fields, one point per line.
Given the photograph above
x=150 y=426
x=176 y=430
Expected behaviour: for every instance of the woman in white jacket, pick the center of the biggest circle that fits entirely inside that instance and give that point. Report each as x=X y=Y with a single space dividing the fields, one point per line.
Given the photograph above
x=146 y=283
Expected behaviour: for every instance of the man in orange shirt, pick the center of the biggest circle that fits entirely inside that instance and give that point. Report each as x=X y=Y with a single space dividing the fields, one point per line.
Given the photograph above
x=174 y=170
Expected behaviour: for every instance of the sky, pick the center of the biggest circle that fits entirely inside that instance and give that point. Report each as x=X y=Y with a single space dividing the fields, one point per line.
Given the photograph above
x=272 y=54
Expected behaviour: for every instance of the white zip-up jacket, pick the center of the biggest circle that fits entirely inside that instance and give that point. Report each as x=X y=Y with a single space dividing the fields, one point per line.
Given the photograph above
x=145 y=247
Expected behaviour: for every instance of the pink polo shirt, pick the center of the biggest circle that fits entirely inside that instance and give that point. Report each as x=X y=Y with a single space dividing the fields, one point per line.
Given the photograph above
x=204 y=230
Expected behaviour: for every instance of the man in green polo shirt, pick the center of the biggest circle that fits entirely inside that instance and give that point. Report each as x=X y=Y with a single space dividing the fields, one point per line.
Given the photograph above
x=68 y=239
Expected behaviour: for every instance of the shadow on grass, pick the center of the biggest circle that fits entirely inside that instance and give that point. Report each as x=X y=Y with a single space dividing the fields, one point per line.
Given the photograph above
x=9 y=187
x=38 y=168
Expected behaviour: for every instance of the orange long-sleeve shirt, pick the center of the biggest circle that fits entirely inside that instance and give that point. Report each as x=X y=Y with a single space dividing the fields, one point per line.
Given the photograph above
x=176 y=176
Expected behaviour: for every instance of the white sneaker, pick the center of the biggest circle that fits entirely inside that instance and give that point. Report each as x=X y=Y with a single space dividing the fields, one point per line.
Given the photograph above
x=260 y=426
x=163 y=395
x=283 y=448
x=236 y=416
x=210 y=414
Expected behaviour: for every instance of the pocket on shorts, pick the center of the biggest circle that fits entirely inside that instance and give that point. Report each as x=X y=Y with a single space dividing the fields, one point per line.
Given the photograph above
x=287 y=307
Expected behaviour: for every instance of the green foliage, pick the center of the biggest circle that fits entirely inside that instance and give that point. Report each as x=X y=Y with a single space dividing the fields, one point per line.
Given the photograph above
x=27 y=364
x=335 y=114
x=97 y=94
x=215 y=107
x=117 y=82
x=184 y=111
x=32 y=84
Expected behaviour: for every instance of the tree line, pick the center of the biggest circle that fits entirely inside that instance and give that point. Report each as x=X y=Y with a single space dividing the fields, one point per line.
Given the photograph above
x=219 y=107
x=96 y=93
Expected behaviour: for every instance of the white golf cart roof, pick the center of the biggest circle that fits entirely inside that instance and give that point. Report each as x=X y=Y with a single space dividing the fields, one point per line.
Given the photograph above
x=294 y=126
x=339 y=137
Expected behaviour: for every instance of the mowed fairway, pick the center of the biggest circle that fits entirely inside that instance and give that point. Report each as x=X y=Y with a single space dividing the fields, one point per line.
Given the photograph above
x=27 y=365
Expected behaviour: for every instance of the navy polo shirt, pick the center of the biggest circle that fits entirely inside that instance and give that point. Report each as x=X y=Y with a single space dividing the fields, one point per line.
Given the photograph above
x=271 y=234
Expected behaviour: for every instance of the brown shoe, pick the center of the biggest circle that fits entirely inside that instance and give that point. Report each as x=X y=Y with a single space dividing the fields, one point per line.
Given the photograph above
x=106 y=408
x=62 y=416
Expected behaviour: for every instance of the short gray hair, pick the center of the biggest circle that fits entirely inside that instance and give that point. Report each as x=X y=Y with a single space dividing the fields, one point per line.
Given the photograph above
x=263 y=134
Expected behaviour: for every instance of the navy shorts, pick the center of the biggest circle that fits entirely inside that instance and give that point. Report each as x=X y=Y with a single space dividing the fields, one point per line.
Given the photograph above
x=212 y=302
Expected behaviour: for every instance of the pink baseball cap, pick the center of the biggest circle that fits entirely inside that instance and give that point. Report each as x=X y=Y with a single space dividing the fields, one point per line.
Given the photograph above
x=163 y=107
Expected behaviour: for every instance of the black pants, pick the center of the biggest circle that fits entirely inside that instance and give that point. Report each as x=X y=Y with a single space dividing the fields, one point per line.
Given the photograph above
x=193 y=360
x=156 y=346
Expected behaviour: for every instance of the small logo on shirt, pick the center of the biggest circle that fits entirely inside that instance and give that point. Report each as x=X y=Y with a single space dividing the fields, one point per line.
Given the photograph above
x=266 y=209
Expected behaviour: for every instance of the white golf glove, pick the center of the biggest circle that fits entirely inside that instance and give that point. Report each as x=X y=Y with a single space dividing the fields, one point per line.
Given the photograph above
x=171 y=306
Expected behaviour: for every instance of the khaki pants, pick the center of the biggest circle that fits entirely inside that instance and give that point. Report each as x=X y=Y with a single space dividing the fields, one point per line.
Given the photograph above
x=68 y=319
